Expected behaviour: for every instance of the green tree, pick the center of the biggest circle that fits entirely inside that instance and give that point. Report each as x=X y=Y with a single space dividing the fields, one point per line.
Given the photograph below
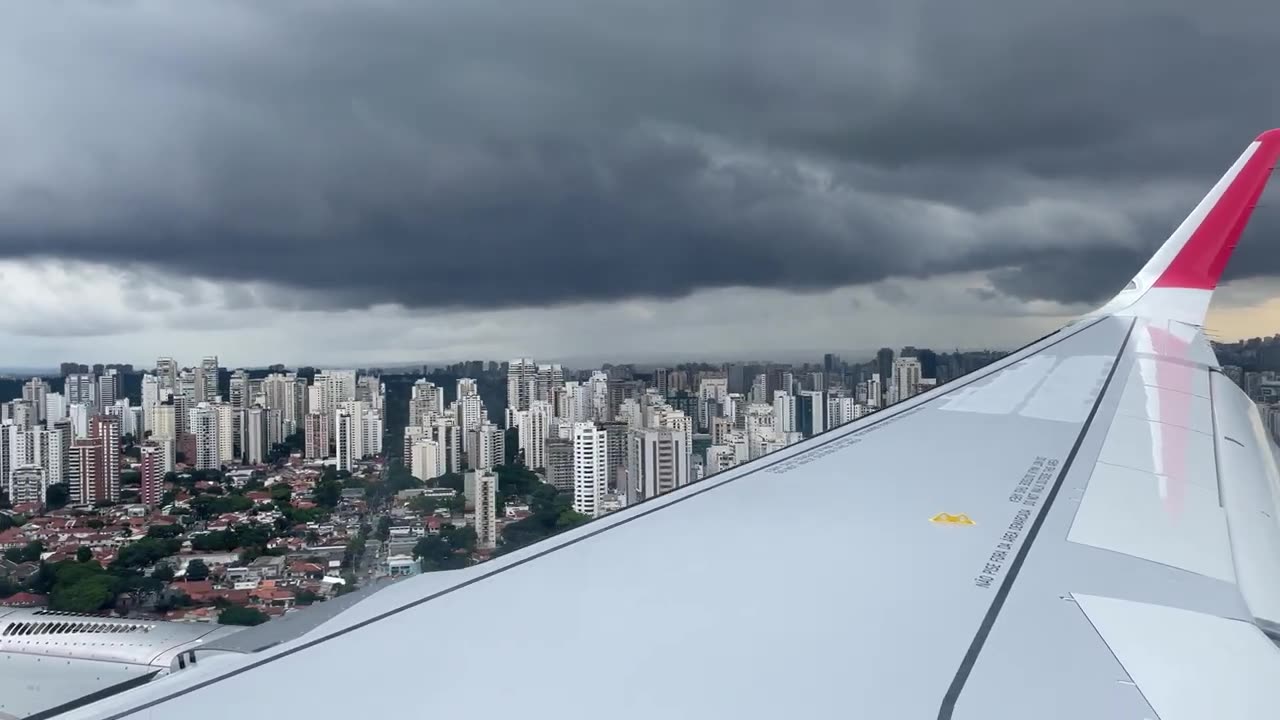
x=449 y=550
x=11 y=521
x=384 y=528
x=75 y=586
x=327 y=493
x=56 y=496
x=453 y=481
x=197 y=570
x=164 y=532
x=306 y=597
x=4 y=501
x=147 y=551
x=236 y=615
x=31 y=552
x=87 y=595
x=84 y=554
x=281 y=493
x=163 y=572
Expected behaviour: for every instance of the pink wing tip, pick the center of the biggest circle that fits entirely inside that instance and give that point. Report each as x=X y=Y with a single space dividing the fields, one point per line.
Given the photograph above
x=1269 y=136
x=1200 y=262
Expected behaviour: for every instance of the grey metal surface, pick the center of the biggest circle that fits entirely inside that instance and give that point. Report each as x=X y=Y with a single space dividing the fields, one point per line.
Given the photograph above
x=94 y=637
x=811 y=582
x=48 y=659
x=32 y=683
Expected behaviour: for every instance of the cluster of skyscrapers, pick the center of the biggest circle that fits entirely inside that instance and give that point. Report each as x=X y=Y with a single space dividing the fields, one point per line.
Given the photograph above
x=613 y=439
x=75 y=437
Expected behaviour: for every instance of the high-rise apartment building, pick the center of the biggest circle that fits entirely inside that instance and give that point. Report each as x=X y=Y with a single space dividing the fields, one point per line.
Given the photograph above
x=348 y=439
x=106 y=430
x=486 y=492
x=109 y=389
x=35 y=391
x=55 y=407
x=488 y=447
x=254 y=443
x=426 y=400
x=27 y=484
x=152 y=469
x=205 y=428
x=427 y=460
x=316 y=436
x=535 y=424
x=522 y=374
x=82 y=389
x=659 y=463
x=559 y=471
x=167 y=373
x=906 y=376
x=590 y=471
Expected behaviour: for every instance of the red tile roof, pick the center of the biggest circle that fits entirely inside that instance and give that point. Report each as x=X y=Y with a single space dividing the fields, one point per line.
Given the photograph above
x=24 y=599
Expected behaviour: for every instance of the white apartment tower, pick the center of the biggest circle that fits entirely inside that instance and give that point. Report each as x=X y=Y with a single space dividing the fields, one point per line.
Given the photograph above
x=27 y=484
x=207 y=379
x=534 y=424
x=426 y=400
x=521 y=379
x=108 y=388
x=659 y=463
x=347 y=439
x=35 y=391
x=590 y=468
x=203 y=424
x=55 y=407
x=427 y=460
x=254 y=445
x=906 y=376
x=486 y=492
x=81 y=388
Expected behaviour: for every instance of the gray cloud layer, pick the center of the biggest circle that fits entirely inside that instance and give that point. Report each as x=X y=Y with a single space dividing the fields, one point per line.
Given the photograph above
x=488 y=153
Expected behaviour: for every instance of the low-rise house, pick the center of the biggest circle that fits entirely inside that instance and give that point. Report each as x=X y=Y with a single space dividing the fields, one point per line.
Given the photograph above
x=267 y=567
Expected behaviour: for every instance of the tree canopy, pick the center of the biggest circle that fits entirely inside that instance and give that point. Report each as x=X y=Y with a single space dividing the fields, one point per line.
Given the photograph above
x=449 y=550
x=30 y=552
x=56 y=496
x=197 y=570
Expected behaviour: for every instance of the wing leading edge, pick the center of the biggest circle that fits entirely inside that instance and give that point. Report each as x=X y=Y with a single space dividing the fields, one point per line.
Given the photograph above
x=1098 y=569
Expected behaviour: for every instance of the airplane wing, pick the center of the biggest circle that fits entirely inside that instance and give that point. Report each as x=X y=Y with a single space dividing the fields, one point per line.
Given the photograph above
x=1089 y=528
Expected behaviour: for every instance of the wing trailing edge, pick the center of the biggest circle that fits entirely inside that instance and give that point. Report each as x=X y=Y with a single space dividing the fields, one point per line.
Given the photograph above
x=1177 y=283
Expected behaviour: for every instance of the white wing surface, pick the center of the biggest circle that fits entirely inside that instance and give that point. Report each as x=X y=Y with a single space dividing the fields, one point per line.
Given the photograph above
x=1085 y=529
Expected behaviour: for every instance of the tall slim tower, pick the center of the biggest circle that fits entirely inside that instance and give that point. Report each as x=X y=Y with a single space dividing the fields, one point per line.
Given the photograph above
x=347 y=438
x=105 y=429
x=208 y=378
x=203 y=425
x=521 y=380
x=486 y=509
x=590 y=468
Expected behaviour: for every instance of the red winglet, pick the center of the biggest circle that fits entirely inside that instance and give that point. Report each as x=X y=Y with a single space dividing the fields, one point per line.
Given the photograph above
x=1200 y=263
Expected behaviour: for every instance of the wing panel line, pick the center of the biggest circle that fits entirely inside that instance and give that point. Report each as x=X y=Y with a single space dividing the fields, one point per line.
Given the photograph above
x=948 y=706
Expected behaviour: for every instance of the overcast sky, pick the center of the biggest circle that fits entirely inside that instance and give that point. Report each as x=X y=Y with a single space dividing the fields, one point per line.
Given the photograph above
x=341 y=182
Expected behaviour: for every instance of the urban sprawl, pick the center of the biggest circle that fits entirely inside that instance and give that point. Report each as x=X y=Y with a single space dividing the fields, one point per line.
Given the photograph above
x=213 y=495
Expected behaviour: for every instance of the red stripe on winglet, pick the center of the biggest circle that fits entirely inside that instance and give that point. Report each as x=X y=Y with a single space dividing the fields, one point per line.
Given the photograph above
x=1200 y=263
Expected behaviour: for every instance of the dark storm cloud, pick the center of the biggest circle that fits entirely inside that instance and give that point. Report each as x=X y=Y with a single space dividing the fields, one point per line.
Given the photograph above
x=490 y=153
